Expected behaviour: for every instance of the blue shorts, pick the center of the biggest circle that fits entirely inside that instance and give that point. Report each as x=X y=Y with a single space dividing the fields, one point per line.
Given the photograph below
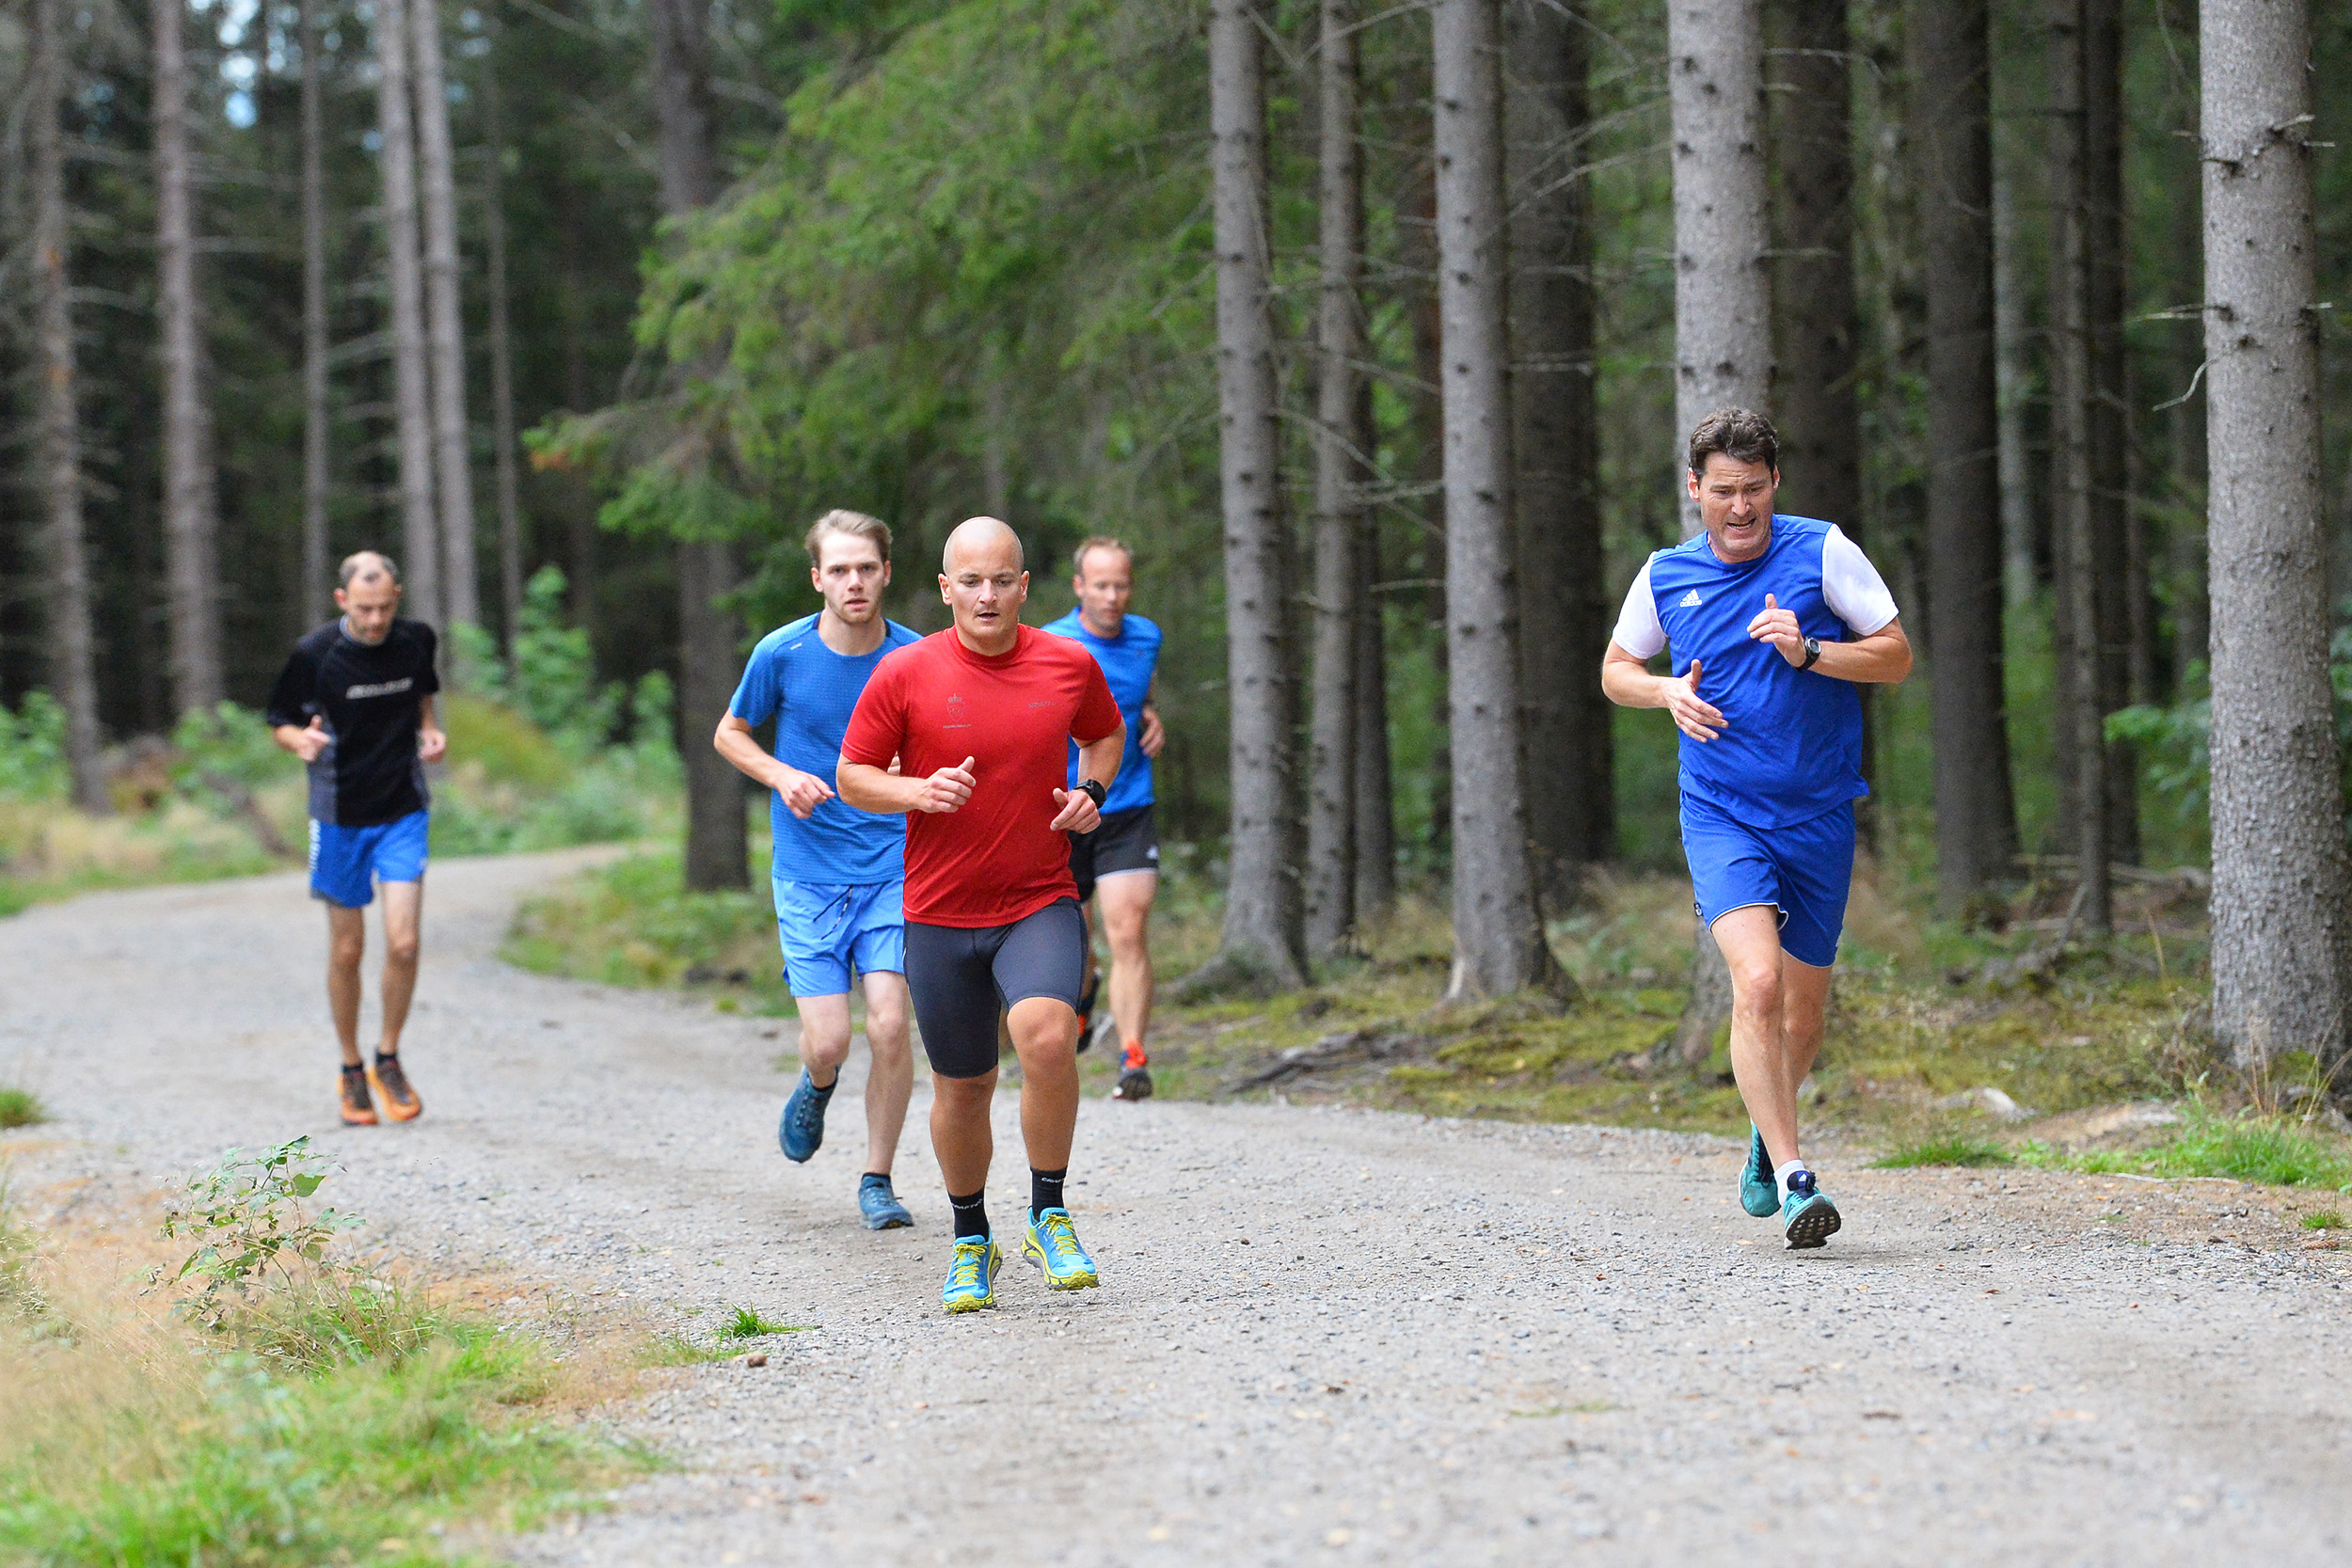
x=347 y=862
x=828 y=929
x=1802 y=870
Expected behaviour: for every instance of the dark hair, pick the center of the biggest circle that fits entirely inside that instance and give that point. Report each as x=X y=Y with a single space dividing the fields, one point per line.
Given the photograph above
x=856 y=524
x=1741 y=435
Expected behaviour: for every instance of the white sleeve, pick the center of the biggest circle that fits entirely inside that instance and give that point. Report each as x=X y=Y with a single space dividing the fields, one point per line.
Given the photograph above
x=1851 y=587
x=1639 y=631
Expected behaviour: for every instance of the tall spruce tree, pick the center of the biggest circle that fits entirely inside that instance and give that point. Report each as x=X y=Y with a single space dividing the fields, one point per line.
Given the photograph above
x=412 y=418
x=200 y=677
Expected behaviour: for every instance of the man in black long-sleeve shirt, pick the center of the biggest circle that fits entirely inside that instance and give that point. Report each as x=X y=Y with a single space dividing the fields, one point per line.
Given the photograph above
x=355 y=702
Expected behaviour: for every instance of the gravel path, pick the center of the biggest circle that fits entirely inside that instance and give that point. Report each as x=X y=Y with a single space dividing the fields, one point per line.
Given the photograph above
x=1325 y=1336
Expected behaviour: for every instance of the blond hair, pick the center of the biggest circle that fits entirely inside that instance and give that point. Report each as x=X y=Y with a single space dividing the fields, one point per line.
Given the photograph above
x=1100 y=541
x=857 y=523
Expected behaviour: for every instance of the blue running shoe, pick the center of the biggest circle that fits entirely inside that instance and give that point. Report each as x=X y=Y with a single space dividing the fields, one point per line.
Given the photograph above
x=880 y=1205
x=1759 y=1193
x=802 y=1129
x=1051 y=1243
x=972 y=1275
x=1808 y=1218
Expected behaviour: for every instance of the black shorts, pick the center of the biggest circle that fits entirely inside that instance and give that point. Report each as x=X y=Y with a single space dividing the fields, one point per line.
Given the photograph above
x=1126 y=841
x=963 y=977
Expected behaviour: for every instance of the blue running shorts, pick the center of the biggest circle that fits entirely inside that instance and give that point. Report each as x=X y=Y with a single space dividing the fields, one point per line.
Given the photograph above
x=1802 y=870
x=347 y=862
x=827 y=929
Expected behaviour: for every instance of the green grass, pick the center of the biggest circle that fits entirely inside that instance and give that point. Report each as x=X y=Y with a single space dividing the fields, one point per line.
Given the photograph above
x=20 y=1107
x=1953 y=1149
x=2248 y=1148
x=2322 y=1219
x=746 y=1324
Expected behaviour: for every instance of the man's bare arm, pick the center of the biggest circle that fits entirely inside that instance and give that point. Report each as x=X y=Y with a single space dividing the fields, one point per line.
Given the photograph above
x=876 y=789
x=1098 y=761
x=432 y=743
x=1627 y=681
x=803 y=792
x=1882 y=659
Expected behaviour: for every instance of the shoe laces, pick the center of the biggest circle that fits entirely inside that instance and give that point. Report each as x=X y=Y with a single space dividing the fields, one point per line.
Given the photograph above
x=970 y=1264
x=388 y=1074
x=1134 y=1060
x=1058 y=1235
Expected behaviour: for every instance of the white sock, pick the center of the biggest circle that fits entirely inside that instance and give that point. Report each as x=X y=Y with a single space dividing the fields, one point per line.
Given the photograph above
x=1781 y=1175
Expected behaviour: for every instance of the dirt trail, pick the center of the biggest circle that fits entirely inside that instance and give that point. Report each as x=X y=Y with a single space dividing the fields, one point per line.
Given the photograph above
x=1325 y=1335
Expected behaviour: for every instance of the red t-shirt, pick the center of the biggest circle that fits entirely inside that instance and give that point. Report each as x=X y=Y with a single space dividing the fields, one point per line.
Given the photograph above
x=932 y=704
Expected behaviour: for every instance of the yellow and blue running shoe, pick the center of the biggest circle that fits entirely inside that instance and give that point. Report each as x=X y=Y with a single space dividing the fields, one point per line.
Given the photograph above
x=972 y=1275
x=1759 y=1195
x=1051 y=1243
x=1808 y=1218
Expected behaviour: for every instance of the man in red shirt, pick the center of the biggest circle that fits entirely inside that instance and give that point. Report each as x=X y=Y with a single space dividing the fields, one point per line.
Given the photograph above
x=979 y=718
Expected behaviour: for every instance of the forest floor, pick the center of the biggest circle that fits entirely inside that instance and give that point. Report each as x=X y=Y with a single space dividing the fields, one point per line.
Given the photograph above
x=1325 y=1330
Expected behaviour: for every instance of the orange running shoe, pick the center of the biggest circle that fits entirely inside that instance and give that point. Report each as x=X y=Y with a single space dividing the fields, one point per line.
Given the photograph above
x=1135 y=1076
x=358 y=1111
x=391 y=1086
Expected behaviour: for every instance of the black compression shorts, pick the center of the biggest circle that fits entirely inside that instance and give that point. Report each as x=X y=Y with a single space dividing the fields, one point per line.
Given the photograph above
x=1126 y=841
x=963 y=977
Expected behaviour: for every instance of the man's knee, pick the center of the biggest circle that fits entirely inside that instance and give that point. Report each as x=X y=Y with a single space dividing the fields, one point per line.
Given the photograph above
x=344 y=952
x=401 y=947
x=1043 y=1027
x=1756 y=985
x=963 y=1098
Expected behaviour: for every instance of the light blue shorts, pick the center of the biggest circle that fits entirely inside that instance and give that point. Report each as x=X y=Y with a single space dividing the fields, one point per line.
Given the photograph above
x=1802 y=870
x=347 y=862
x=828 y=930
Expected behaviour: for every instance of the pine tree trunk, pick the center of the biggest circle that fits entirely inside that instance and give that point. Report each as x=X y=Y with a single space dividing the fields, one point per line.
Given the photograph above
x=1562 y=612
x=421 y=563
x=1262 y=936
x=1344 y=444
x=1723 y=296
x=1976 y=835
x=2014 y=365
x=72 y=655
x=317 y=572
x=1814 y=395
x=1376 y=797
x=2282 y=885
x=191 y=521
x=1498 y=944
x=445 y=318
x=2186 y=418
x=501 y=353
x=717 y=839
x=2073 y=429
x=2118 y=578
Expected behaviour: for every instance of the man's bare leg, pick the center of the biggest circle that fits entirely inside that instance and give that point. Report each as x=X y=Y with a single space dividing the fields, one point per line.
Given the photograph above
x=346 y=944
x=962 y=1140
x=1804 y=1004
x=1045 y=1037
x=1761 y=1055
x=404 y=931
x=825 y=1037
x=1125 y=899
x=890 y=1078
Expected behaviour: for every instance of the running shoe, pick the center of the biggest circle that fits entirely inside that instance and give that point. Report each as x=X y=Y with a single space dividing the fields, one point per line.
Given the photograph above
x=1808 y=1218
x=358 y=1111
x=801 y=1129
x=880 y=1205
x=1759 y=1193
x=1086 y=1008
x=391 y=1087
x=1051 y=1243
x=1134 y=1077
x=972 y=1275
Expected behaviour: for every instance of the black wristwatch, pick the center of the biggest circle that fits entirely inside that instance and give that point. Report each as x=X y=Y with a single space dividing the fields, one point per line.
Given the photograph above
x=1812 y=652
x=1094 y=791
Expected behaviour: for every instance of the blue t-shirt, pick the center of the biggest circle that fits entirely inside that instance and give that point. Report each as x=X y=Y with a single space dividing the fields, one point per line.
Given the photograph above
x=810 y=690
x=1793 y=746
x=1128 y=660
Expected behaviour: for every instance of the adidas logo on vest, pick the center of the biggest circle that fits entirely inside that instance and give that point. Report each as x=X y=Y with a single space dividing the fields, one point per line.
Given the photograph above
x=1689 y=599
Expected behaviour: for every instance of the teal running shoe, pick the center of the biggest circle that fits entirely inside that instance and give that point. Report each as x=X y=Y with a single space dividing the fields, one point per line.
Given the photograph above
x=1051 y=1243
x=1808 y=1219
x=880 y=1206
x=971 y=1275
x=802 y=1127
x=1758 y=1195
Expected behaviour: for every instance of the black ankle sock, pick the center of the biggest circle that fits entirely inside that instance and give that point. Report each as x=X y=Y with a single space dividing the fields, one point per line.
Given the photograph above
x=355 y=1066
x=382 y=1056
x=825 y=1089
x=1045 y=1189
x=971 y=1214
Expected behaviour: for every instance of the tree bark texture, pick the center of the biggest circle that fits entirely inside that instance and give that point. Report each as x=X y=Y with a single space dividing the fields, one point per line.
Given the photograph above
x=1976 y=831
x=2013 y=353
x=1722 y=235
x=72 y=655
x=1343 y=446
x=1375 y=796
x=1564 y=613
x=1262 y=937
x=445 y=318
x=501 y=353
x=2282 y=885
x=1814 y=392
x=717 y=840
x=1723 y=296
x=1499 y=944
x=191 y=516
x=2118 y=577
x=411 y=382
x=317 y=572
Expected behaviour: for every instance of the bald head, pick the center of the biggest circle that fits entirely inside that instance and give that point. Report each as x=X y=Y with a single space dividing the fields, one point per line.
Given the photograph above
x=984 y=542
x=367 y=566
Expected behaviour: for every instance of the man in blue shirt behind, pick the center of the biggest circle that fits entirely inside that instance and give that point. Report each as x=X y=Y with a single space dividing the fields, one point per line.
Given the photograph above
x=839 y=874
x=1118 y=865
x=1773 y=621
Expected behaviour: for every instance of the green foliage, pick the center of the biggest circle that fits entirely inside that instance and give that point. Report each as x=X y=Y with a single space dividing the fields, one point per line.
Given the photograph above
x=2246 y=1148
x=32 y=750
x=553 y=677
x=2322 y=1219
x=1950 y=1149
x=632 y=923
x=746 y=1324
x=21 y=1108
x=247 y=1217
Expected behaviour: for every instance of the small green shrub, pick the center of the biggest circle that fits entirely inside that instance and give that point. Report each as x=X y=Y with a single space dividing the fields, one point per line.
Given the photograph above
x=1951 y=1149
x=32 y=750
x=21 y=1108
x=748 y=1325
x=2322 y=1219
